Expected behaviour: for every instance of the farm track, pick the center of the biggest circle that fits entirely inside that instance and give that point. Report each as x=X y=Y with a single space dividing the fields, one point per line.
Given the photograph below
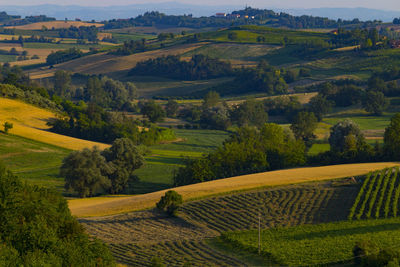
x=136 y=238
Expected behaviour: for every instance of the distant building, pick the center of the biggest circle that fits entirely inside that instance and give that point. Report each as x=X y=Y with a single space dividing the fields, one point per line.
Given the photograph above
x=235 y=16
x=220 y=15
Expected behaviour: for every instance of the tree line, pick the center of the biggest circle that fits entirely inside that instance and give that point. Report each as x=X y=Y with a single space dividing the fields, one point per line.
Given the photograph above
x=37 y=229
x=240 y=17
x=199 y=67
x=82 y=32
x=269 y=147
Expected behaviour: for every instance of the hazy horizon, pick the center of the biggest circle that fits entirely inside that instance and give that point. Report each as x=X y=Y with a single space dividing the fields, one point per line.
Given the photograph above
x=389 y=5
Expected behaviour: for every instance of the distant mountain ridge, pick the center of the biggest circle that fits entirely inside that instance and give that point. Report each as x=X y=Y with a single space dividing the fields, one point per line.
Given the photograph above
x=175 y=8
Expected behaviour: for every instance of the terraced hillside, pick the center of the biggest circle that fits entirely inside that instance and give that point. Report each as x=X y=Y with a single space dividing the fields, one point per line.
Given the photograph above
x=135 y=237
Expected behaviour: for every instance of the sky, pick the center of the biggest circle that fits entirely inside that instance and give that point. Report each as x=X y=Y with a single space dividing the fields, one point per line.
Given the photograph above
x=381 y=4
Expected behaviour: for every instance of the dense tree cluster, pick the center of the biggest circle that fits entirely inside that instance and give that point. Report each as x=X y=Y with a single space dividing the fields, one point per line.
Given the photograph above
x=29 y=20
x=198 y=68
x=37 y=229
x=249 y=150
x=91 y=172
x=264 y=78
x=4 y=17
x=62 y=56
x=82 y=32
x=15 y=84
x=131 y=47
x=372 y=98
x=91 y=122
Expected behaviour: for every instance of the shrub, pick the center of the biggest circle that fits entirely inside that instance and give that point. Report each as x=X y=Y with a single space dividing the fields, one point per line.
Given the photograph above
x=7 y=126
x=170 y=203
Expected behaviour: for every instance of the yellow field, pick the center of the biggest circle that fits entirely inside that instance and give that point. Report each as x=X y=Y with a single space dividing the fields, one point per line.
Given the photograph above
x=103 y=63
x=58 y=24
x=110 y=205
x=30 y=122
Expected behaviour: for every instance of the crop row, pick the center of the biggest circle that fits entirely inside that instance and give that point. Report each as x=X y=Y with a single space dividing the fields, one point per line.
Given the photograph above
x=279 y=207
x=176 y=253
x=379 y=189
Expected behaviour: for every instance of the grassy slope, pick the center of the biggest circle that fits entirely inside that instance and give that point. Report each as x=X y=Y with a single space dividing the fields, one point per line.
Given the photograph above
x=35 y=162
x=30 y=122
x=301 y=245
x=102 y=206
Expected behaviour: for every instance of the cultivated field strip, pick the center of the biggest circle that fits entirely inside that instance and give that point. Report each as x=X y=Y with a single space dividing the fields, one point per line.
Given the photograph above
x=378 y=197
x=144 y=226
x=285 y=206
x=173 y=253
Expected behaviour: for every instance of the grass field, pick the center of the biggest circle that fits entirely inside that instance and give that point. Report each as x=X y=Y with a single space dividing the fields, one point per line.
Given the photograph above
x=102 y=206
x=30 y=122
x=35 y=162
x=317 y=244
x=164 y=159
x=231 y=51
x=249 y=34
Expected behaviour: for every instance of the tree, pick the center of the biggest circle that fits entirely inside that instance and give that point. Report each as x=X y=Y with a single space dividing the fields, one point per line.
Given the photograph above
x=250 y=112
x=170 y=202
x=320 y=106
x=392 y=138
x=86 y=172
x=123 y=158
x=339 y=139
x=171 y=108
x=375 y=102
x=7 y=126
x=303 y=127
x=62 y=82
x=211 y=99
x=153 y=111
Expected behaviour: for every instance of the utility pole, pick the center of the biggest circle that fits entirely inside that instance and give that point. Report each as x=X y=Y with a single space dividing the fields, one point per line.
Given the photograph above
x=259 y=233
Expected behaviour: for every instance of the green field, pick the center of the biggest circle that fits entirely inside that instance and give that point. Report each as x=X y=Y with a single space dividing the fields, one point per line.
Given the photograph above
x=125 y=37
x=35 y=162
x=164 y=159
x=317 y=244
x=231 y=51
x=249 y=34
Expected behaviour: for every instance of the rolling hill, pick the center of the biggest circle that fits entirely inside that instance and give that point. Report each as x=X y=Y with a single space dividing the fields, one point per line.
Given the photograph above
x=103 y=206
x=104 y=63
x=30 y=122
